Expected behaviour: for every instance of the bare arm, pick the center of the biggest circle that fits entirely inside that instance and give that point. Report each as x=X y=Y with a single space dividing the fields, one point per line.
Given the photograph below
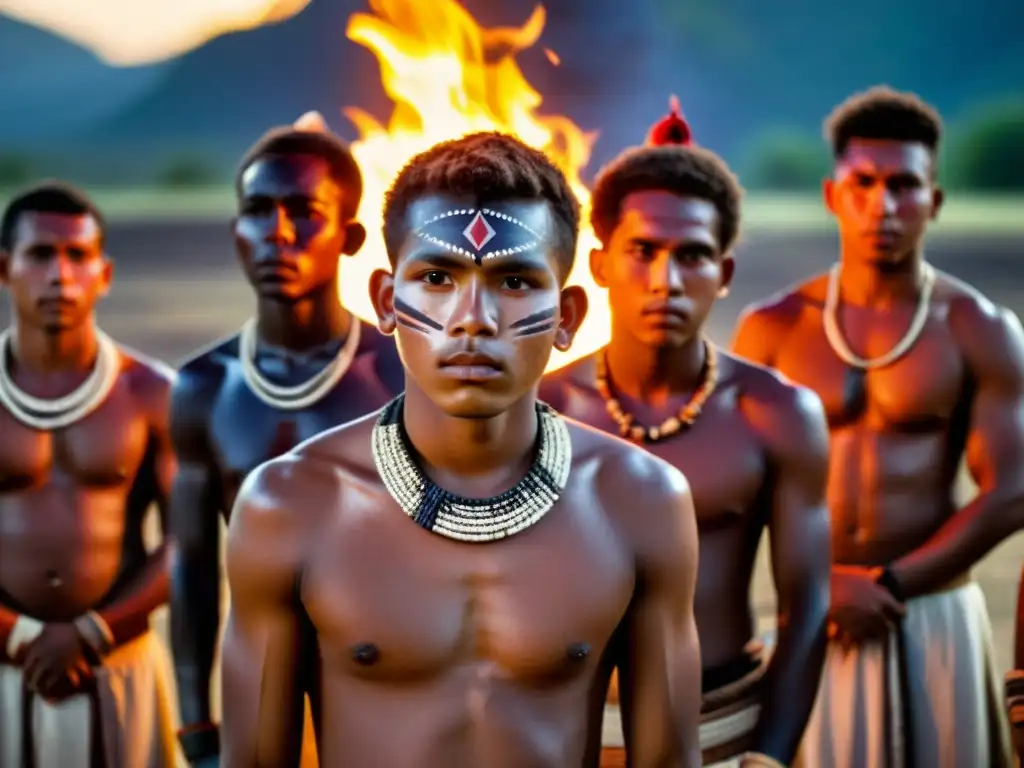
x=993 y=343
x=793 y=426
x=262 y=681
x=660 y=666
x=127 y=614
x=193 y=520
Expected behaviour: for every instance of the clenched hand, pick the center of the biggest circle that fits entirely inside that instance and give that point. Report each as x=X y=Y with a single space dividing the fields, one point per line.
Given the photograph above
x=861 y=610
x=54 y=664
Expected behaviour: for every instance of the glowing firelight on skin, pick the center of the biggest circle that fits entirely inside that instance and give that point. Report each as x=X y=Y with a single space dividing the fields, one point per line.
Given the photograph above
x=448 y=76
x=129 y=33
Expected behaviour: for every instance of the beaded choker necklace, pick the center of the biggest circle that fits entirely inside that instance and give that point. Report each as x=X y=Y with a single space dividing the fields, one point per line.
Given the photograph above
x=684 y=419
x=472 y=520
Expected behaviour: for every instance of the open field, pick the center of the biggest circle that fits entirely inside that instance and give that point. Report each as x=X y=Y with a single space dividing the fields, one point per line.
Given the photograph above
x=178 y=288
x=761 y=211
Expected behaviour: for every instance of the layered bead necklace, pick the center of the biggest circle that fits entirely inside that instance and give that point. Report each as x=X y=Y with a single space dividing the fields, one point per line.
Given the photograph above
x=47 y=415
x=301 y=395
x=472 y=520
x=683 y=419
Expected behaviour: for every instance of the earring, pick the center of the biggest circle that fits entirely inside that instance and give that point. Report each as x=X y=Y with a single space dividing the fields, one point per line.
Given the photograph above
x=723 y=292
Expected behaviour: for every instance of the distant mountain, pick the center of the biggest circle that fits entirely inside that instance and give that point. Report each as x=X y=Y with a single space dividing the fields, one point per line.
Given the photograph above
x=52 y=89
x=236 y=86
x=739 y=67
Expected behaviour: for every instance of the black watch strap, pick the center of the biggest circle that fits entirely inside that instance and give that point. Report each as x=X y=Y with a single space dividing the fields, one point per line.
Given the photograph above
x=200 y=743
x=888 y=581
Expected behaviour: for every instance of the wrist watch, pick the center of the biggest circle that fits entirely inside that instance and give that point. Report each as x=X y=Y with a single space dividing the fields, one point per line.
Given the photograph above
x=887 y=580
x=199 y=741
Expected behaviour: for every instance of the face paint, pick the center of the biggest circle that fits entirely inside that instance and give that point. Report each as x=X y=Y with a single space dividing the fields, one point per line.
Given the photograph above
x=538 y=322
x=412 y=318
x=491 y=278
x=479 y=234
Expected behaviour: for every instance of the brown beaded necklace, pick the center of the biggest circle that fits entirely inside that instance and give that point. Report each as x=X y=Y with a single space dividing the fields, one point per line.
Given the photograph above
x=683 y=420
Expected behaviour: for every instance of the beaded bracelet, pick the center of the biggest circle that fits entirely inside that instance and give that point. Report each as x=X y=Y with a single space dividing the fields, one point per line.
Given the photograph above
x=1015 y=683
x=26 y=629
x=1015 y=698
x=96 y=632
x=1015 y=707
x=759 y=760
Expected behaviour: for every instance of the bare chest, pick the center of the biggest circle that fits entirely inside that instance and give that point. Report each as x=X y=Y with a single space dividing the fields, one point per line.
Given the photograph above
x=920 y=391
x=392 y=601
x=246 y=431
x=105 y=449
x=721 y=457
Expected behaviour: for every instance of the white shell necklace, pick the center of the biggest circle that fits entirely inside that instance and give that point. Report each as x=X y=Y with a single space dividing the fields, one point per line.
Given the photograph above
x=301 y=395
x=834 y=335
x=48 y=415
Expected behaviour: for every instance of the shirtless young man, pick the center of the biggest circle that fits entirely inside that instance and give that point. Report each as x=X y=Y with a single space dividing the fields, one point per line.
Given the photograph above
x=754 y=448
x=85 y=452
x=916 y=370
x=1015 y=679
x=454 y=579
x=301 y=365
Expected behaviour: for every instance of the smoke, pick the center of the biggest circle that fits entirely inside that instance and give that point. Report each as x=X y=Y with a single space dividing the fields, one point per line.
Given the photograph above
x=126 y=33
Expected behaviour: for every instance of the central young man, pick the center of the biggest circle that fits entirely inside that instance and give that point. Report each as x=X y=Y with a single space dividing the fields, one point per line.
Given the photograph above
x=454 y=579
x=754 y=447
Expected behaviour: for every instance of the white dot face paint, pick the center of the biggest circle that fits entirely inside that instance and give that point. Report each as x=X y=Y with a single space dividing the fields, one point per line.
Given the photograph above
x=479 y=233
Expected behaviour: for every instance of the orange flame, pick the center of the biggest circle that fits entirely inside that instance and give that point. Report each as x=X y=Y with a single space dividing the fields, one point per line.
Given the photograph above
x=448 y=76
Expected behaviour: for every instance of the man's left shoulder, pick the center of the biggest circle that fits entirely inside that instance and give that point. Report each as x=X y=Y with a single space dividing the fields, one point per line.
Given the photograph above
x=625 y=472
x=646 y=500
x=149 y=380
x=776 y=407
x=979 y=325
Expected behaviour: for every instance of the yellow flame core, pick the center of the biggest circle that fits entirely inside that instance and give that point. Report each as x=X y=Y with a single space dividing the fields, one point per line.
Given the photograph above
x=447 y=77
x=133 y=32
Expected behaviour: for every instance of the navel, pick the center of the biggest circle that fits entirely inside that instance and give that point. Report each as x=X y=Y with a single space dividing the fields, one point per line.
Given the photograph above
x=578 y=651
x=53 y=579
x=365 y=654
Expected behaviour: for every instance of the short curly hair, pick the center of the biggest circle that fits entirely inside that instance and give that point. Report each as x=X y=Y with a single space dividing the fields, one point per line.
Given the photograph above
x=685 y=171
x=886 y=114
x=331 y=149
x=489 y=167
x=49 y=196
